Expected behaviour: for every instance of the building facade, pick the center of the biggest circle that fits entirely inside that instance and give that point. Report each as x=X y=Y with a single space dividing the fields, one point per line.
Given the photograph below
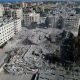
x=31 y=17
x=9 y=29
x=71 y=23
x=17 y=13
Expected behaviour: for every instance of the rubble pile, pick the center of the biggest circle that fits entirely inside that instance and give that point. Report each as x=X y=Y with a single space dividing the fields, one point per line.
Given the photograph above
x=47 y=75
x=15 y=65
x=29 y=57
x=37 y=37
x=59 y=73
x=20 y=64
x=27 y=42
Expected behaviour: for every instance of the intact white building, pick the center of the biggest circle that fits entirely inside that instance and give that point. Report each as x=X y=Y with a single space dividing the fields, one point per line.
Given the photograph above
x=8 y=29
x=1 y=10
x=17 y=25
x=31 y=17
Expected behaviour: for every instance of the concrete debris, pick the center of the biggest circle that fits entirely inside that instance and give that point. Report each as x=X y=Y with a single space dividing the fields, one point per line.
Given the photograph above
x=18 y=64
x=28 y=54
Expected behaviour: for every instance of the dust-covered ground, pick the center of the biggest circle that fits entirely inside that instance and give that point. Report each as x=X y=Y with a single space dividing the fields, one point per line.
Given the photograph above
x=25 y=56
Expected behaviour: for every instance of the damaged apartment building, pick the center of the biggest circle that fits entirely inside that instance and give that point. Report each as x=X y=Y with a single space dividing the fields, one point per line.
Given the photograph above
x=31 y=17
x=67 y=18
x=71 y=23
x=8 y=28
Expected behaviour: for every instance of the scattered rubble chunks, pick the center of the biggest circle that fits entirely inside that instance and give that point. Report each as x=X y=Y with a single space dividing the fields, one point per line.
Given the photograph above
x=38 y=37
x=18 y=65
x=27 y=42
x=29 y=57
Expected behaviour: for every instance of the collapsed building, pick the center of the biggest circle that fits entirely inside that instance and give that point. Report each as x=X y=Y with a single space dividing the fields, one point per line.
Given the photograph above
x=31 y=55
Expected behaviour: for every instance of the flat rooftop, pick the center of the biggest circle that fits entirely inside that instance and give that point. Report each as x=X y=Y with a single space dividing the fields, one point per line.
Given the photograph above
x=4 y=21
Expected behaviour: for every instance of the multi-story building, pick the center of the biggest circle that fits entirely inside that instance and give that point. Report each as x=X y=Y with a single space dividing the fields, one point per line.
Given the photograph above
x=17 y=25
x=17 y=13
x=8 y=29
x=31 y=17
x=53 y=20
x=26 y=4
x=42 y=19
x=1 y=10
x=70 y=18
x=71 y=23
